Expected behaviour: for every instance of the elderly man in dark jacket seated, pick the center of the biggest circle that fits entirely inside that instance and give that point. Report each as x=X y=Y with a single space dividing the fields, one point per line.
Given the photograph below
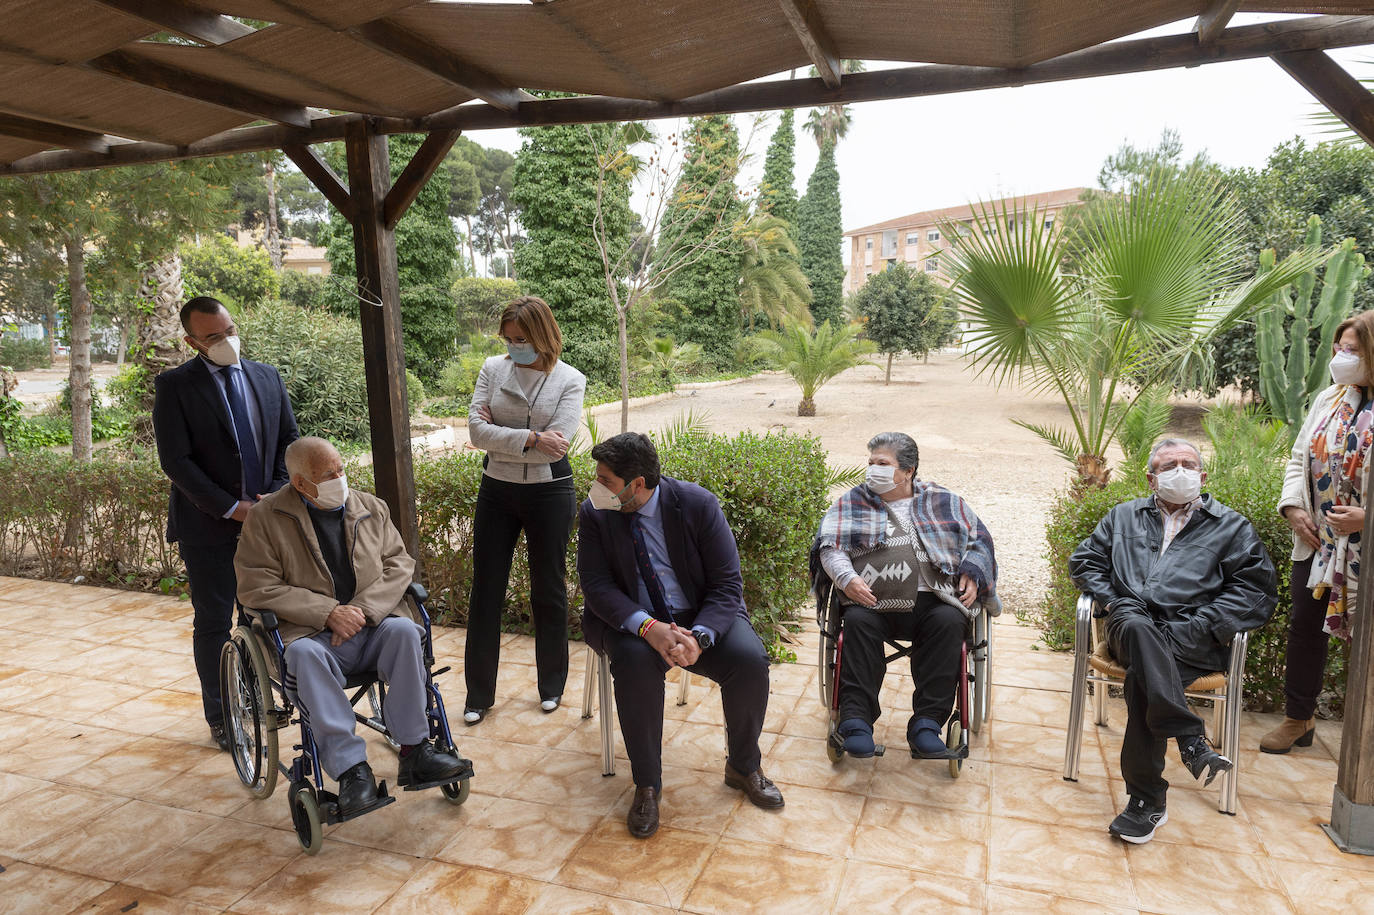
x=1177 y=575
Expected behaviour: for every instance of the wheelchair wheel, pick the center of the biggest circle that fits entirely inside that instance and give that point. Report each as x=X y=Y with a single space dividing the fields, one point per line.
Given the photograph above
x=305 y=816
x=249 y=716
x=456 y=792
x=953 y=734
x=376 y=698
x=826 y=666
x=833 y=751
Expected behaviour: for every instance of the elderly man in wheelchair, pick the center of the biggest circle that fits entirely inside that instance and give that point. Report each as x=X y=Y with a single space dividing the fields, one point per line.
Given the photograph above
x=323 y=571
x=909 y=560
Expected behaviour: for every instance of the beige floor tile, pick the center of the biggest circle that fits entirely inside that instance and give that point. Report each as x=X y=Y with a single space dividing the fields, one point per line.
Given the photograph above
x=796 y=882
x=515 y=722
x=25 y=888
x=18 y=691
x=1085 y=864
x=572 y=781
x=1195 y=820
x=1039 y=747
x=444 y=889
x=1015 y=674
x=121 y=900
x=219 y=866
x=18 y=729
x=341 y=878
x=812 y=820
x=1230 y=881
x=1317 y=888
x=808 y=718
x=896 y=776
x=418 y=824
x=121 y=841
x=209 y=786
x=692 y=799
x=702 y=746
x=36 y=817
x=155 y=711
x=519 y=837
x=793 y=679
x=802 y=761
x=1044 y=797
x=1298 y=779
x=585 y=737
x=1045 y=707
x=563 y=900
x=64 y=749
x=937 y=841
x=87 y=701
x=1292 y=832
x=13 y=785
x=659 y=870
x=1003 y=900
x=138 y=767
x=499 y=768
x=869 y=887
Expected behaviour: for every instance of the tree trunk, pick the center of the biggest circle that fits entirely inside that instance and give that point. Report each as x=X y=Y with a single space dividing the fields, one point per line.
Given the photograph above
x=624 y=368
x=472 y=252
x=1093 y=472
x=887 y=379
x=123 y=342
x=50 y=328
x=8 y=382
x=807 y=407
x=273 y=230
x=159 y=346
x=79 y=373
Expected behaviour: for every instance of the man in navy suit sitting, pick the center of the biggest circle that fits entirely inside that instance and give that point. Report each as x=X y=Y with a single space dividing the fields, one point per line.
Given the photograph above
x=662 y=588
x=222 y=425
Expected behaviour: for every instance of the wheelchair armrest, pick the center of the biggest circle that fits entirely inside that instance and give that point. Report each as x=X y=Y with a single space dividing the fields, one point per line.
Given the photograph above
x=268 y=619
x=418 y=591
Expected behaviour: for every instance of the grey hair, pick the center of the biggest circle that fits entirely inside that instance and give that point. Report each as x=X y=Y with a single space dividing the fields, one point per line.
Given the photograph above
x=303 y=453
x=902 y=446
x=1170 y=443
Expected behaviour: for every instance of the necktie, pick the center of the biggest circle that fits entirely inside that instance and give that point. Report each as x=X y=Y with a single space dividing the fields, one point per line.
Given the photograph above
x=646 y=571
x=243 y=430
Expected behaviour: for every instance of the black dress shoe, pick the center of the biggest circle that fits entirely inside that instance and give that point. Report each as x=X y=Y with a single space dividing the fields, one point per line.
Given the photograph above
x=425 y=765
x=643 y=816
x=357 y=789
x=220 y=737
x=1197 y=754
x=760 y=791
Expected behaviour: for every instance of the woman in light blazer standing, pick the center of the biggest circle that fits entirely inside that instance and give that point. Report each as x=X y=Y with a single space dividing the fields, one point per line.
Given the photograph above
x=526 y=407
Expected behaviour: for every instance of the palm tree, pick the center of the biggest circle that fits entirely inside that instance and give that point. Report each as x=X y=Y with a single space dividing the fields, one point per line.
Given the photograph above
x=814 y=356
x=666 y=358
x=771 y=279
x=831 y=123
x=1160 y=271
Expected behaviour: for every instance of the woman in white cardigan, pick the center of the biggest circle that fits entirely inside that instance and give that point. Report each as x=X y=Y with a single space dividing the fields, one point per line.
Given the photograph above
x=525 y=409
x=1321 y=501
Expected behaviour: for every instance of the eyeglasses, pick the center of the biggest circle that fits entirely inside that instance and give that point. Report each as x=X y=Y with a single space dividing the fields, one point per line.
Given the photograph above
x=1350 y=349
x=219 y=337
x=515 y=341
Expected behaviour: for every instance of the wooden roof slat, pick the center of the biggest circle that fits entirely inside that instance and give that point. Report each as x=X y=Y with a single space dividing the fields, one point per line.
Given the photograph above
x=1214 y=18
x=336 y=15
x=416 y=175
x=16 y=150
x=805 y=19
x=23 y=128
x=184 y=19
x=1340 y=92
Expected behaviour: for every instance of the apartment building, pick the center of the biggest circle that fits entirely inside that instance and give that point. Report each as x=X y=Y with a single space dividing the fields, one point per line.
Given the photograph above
x=918 y=239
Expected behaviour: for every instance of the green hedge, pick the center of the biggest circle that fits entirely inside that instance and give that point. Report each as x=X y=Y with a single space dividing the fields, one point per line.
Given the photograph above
x=22 y=355
x=1073 y=517
x=772 y=489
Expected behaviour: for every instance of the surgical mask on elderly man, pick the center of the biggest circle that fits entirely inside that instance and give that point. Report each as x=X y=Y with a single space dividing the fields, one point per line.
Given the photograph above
x=881 y=478
x=1179 y=485
x=1347 y=368
x=522 y=353
x=330 y=494
x=224 y=352
x=603 y=499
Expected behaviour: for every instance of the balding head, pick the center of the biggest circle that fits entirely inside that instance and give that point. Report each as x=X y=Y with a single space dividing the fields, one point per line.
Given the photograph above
x=310 y=461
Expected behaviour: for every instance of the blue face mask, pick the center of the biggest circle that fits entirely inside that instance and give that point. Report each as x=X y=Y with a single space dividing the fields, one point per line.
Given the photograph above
x=522 y=353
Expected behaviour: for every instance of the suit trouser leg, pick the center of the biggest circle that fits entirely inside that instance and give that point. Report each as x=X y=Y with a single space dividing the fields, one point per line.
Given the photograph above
x=1156 y=707
x=315 y=681
x=210 y=573
x=495 y=529
x=862 y=662
x=1308 y=644
x=637 y=674
x=739 y=663
x=547 y=511
x=393 y=649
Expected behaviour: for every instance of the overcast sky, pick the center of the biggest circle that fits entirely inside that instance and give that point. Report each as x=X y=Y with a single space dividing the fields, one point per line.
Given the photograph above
x=908 y=155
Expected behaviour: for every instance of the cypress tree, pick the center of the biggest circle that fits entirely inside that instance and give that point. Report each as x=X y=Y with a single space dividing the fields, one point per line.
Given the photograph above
x=700 y=215
x=819 y=236
x=777 y=190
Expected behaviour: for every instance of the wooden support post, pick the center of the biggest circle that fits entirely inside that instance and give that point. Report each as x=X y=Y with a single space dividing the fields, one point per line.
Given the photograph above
x=1213 y=20
x=374 y=245
x=1328 y=81
x=417 y=173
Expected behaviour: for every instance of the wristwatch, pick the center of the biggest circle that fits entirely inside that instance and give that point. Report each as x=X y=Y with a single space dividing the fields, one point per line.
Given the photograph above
x=704 y=639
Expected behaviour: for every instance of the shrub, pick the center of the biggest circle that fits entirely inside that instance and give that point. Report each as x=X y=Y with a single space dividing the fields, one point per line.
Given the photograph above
x=477 y=303
x=1074 y=515
x=303 y=290
x=320 y=357
x=22 y=355
x=415 y=392
x=219 y=267
x=126 y=389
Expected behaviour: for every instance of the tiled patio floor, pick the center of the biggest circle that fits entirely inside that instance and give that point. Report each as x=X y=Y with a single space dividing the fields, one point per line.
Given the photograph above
x=111 y=795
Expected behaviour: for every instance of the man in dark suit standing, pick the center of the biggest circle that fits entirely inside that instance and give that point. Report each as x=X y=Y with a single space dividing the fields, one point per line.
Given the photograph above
x=662 y=588
x=222 y=425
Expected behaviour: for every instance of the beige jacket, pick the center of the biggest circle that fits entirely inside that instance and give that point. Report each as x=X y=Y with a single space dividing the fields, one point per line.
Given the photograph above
x=280 y=567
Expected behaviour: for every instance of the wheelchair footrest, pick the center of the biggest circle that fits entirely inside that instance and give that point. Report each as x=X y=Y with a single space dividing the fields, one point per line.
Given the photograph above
x=463 y=775
x=879 y=749
x=959 y=752
x=329 y=805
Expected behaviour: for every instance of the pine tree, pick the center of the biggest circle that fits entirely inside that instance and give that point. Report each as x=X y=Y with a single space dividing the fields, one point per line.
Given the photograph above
x=555 y=184
x=777 y=190
x=706 y=291
x=819 y=236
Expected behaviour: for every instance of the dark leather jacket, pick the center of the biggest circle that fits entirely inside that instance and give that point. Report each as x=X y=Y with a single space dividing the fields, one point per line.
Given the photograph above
x=1214 y=580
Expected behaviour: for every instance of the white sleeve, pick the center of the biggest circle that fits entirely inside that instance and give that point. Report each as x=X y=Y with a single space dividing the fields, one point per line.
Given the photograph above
x=837 y=565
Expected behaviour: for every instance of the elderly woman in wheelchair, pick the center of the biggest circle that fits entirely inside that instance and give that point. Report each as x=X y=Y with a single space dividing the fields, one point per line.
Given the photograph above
x=325 y=576
x=909 y=560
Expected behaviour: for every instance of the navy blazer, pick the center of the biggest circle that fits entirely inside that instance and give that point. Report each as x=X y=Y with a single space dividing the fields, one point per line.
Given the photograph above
x=701 y=547
x=198 y=451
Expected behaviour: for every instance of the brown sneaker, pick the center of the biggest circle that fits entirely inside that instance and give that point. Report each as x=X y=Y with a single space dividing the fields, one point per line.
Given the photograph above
x=1288 y=735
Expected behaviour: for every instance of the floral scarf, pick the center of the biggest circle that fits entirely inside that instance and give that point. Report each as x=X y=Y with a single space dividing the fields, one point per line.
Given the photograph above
x=1338 y=460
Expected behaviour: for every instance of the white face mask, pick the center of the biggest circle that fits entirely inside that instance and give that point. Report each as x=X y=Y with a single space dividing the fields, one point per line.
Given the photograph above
x=1347 y=368
x=1179 y=485
x=603 y=499
x=330 y=494
x=225 y=352
x=881 y=478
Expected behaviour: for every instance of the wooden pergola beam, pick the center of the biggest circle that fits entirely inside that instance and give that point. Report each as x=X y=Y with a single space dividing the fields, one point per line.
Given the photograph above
x=182 y=18
x=1340 y=92
x=1241 y=43
x=394 y=41
x=1212 y=22
x=23 y=128
x=416 y=174
x=805 y=20
x=313 y=166
x=130 y=66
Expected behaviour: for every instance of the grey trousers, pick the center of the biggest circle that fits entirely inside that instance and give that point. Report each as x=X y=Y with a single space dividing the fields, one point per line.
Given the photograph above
x=315 y=681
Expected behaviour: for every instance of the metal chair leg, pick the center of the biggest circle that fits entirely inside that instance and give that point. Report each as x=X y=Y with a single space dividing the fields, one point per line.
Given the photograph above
x=607 y=713
x=1235 y=691
x=589 y=664
x=1073 y=742
x=685 y=683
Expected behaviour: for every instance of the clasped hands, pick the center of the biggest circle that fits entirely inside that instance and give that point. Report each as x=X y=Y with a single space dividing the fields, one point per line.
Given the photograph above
x=675 y=645
x=554 y=444
x=345 y=621
x=1343 y=519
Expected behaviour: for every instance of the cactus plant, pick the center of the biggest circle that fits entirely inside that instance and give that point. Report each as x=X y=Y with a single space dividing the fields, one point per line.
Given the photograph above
x=1288 y=380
